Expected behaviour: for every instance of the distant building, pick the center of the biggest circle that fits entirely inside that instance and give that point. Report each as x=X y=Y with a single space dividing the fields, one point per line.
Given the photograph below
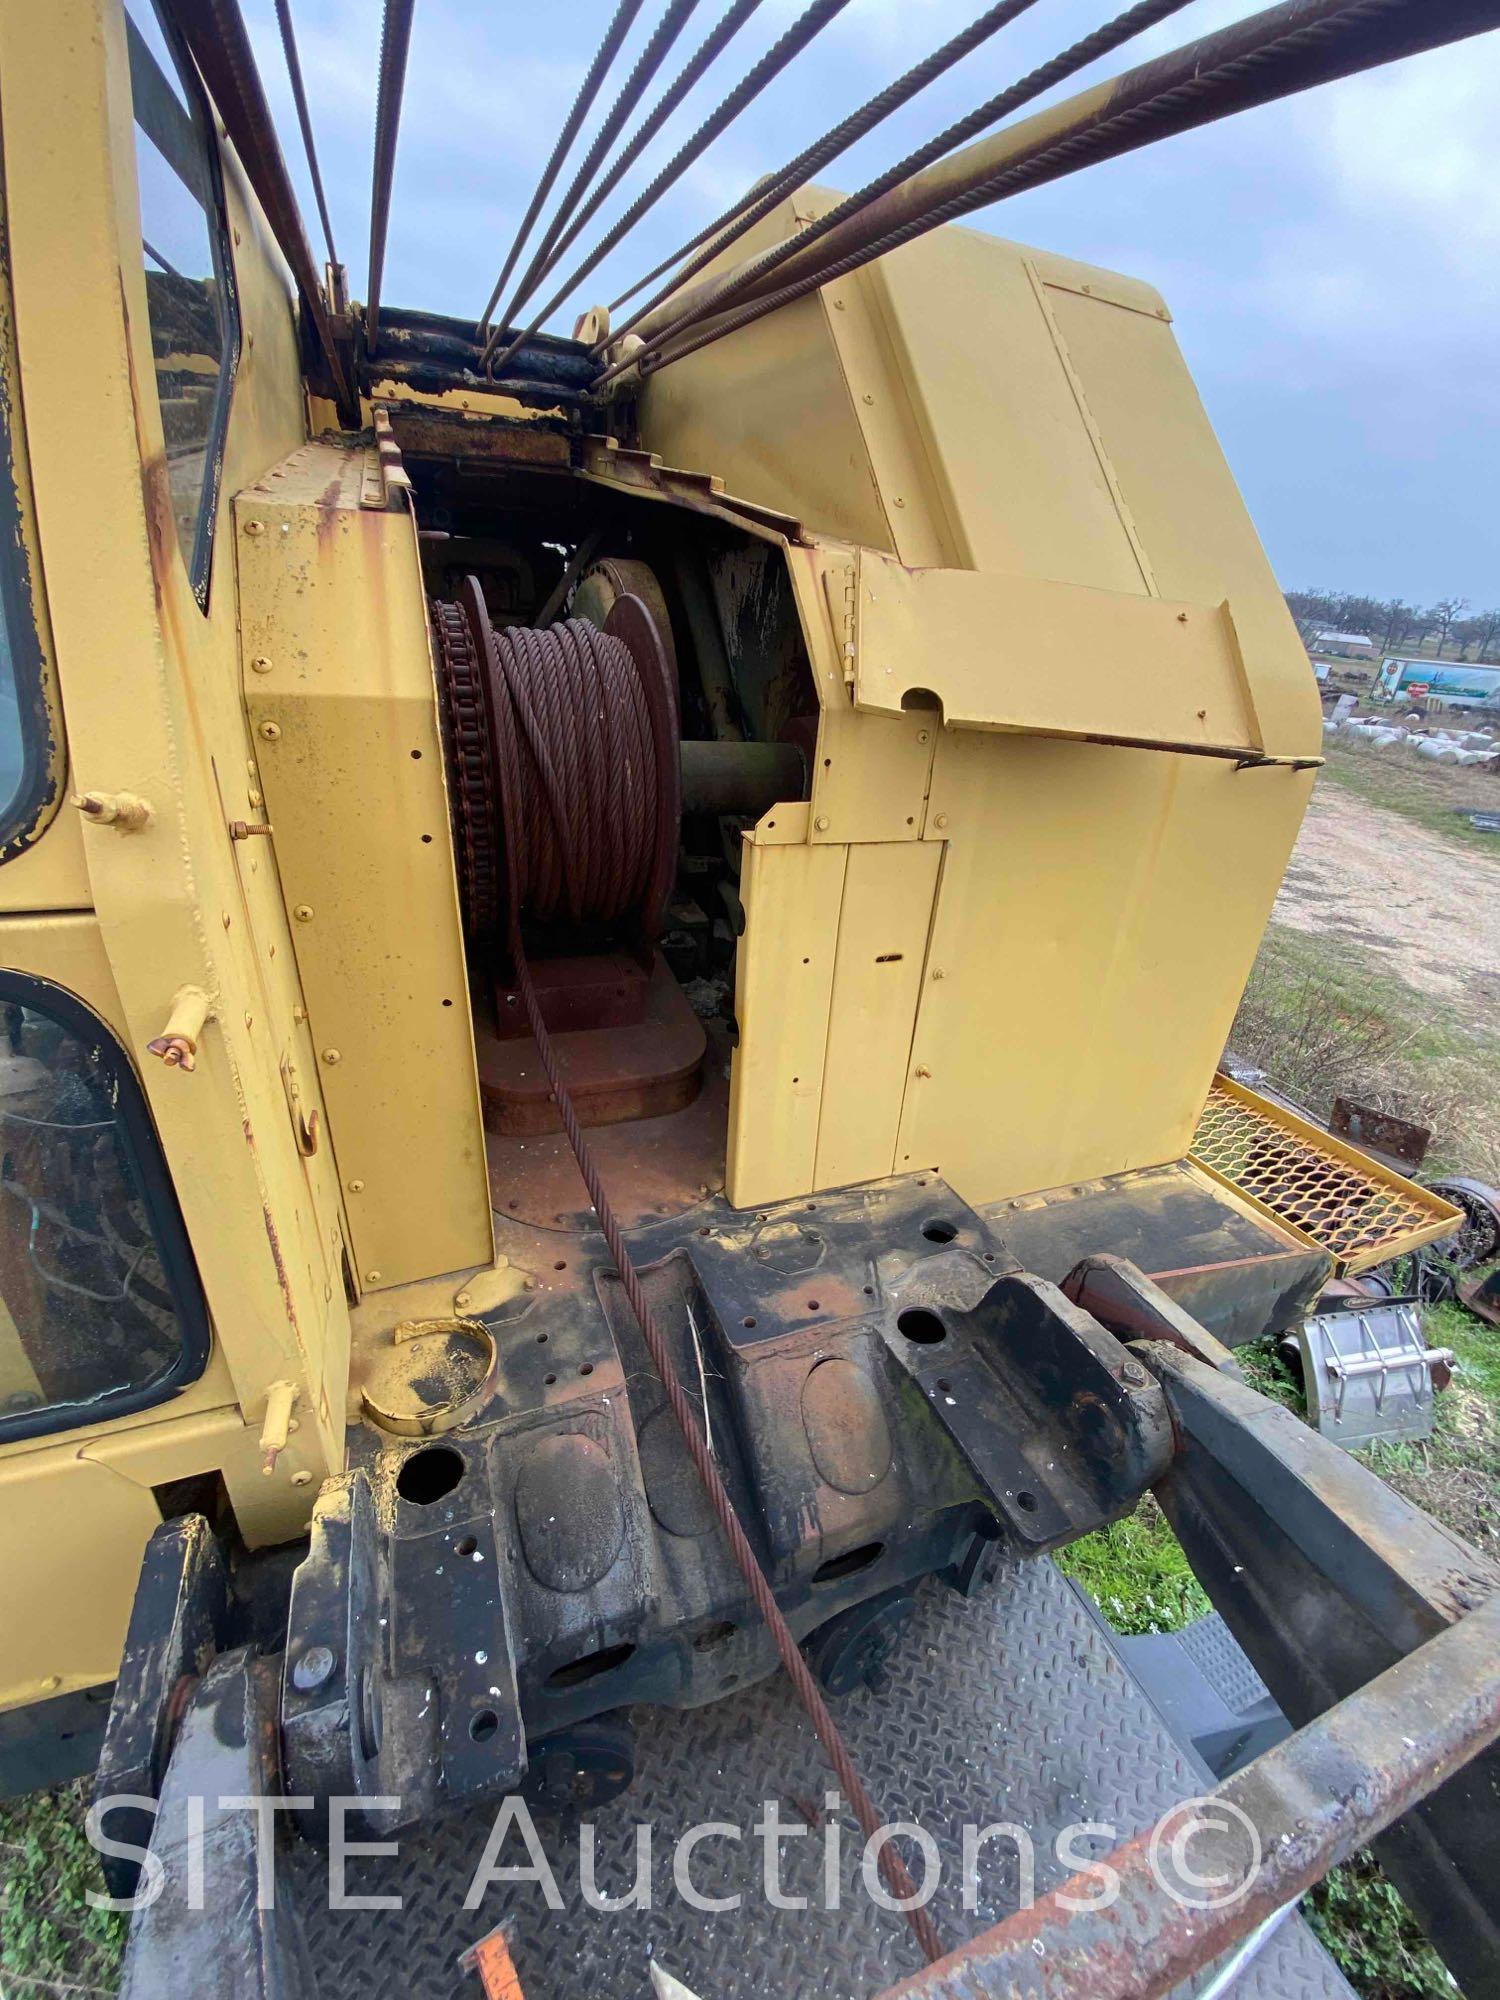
x=1347 y=645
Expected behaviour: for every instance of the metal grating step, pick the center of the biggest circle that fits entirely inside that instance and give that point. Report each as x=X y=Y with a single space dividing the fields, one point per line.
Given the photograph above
x=1329 y=1193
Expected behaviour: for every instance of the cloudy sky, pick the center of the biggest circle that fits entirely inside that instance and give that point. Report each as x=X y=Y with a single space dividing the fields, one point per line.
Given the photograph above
x=1333 y=263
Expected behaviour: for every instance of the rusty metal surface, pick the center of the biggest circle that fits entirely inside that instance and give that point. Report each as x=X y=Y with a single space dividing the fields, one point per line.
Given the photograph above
x=1395 y=1139
x=1482 y=1297
x=1281 y=1824
x=1478 y=1237
x=1012 y=1704
x=660 y=1167
x=1238 y=1274
x=618 y=1072
x=1327 y=1576
x=581 y=788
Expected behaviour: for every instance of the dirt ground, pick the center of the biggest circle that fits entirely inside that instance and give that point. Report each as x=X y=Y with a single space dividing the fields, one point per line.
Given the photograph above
x=1428 y=907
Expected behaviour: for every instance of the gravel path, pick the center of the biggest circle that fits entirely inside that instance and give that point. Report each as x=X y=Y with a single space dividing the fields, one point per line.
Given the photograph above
x=1429 y=908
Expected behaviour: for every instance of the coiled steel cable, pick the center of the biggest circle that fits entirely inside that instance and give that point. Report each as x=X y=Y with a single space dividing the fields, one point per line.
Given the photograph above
x=591 y=782
x=588 y=90
x=707 y=52
x=304 y=118
x=759 y=202
x=576 y=733
x=1218 y=78
x=395 y=41
x=649 y=61
x=735 y=284
x=808 y=24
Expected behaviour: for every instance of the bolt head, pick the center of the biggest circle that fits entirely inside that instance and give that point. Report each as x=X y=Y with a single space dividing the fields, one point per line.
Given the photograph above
x=821 y=822
x=332 y=1056
x=313 y=1669
x=255 y=527
x=260 y=665
x=1134 y=1374
x=303 y=913
x=270 y=731
x=356 y=1187
x=372 y=1277
x=941 y=820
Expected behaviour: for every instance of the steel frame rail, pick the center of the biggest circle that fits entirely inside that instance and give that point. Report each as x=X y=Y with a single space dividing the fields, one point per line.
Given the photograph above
x=1305 y=1805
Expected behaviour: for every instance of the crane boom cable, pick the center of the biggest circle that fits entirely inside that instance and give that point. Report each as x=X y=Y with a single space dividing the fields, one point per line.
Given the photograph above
x=808 y=24
x=757 y=202
x=735 y=285
x=1283 y=50
x=650 y=60
x=709 y=49
x=395 y=42
x=304 y=119
x=588 y=90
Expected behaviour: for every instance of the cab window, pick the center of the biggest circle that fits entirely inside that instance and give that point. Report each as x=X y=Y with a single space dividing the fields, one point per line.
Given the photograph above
x=189 y=277
x=30 y=755
x=100 y=1308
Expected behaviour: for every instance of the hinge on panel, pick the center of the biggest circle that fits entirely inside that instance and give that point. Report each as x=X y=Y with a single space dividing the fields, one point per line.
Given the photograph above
x=384 y=471
x=839 y=591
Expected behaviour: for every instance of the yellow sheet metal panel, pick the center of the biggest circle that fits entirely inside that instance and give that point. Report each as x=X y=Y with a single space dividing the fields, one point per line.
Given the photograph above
x=1054 y=659
x=999 y=416
x=1099 y=904
x=1182 y=497
x=74 y=1536
x=870 y=775
x=783 y=989
x=340 y=692
x=772 y=412
x=1086 y=922
x=150 y=684
x=877 y=981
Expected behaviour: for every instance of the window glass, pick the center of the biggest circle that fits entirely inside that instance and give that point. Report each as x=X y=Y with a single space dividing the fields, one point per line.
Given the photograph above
x=30 y=774
x=12 y=733
x=99 y=1307
x=189 y=283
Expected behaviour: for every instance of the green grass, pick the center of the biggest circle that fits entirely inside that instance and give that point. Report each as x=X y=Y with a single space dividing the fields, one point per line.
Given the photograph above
x=1137 y=1574
x=1322 y=1023
x=1373 y=1938
x=51 y=1942
x=1431 y=795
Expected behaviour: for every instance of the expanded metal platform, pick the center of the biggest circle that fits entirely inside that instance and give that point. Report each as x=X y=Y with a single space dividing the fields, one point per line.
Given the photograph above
x=1011 y=1706
x=1330 y=1193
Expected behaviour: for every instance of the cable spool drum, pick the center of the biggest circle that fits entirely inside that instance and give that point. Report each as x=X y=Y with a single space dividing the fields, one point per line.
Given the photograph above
x=563 y=766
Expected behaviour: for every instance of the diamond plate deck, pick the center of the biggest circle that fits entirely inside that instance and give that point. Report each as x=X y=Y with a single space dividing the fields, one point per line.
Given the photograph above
x=1009 y=1706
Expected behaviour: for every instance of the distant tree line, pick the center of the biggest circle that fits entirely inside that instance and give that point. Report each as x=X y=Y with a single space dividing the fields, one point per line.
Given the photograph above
x=1396 y=627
